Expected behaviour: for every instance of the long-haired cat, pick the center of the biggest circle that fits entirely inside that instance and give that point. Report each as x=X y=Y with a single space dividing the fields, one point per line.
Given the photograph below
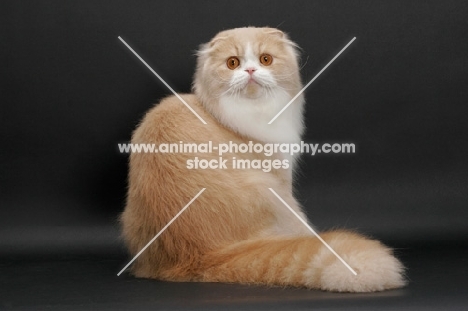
x=237 y=230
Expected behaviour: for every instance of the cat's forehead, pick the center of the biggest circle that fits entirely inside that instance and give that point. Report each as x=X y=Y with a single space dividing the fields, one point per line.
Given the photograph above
x=240 y=40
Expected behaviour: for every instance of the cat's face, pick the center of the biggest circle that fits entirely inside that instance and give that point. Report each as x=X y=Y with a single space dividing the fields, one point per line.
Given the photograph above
x=245 y=76
x=247 y=63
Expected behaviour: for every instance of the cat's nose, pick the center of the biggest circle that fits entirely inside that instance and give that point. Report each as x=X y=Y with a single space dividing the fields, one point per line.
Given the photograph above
x=250 y=70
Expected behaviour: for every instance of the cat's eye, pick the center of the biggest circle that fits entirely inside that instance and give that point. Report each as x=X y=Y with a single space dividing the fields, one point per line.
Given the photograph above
x=233 y=62
x=266 y=59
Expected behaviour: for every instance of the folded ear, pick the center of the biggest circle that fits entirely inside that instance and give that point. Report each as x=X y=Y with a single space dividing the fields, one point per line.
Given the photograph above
x=216 y=40
x=283 y=37
x=274 y=32
x=206 y=48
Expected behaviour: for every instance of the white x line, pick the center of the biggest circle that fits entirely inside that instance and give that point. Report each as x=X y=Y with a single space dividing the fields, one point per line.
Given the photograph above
x=159 y=233
x=310 y=82
x=164 y=82
x=313 y=231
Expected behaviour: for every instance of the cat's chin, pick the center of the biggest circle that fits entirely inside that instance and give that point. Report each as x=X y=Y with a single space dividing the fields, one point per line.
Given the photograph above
x=253 y=90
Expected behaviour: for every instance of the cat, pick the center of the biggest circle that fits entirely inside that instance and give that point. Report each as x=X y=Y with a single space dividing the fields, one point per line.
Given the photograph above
x=237 y=231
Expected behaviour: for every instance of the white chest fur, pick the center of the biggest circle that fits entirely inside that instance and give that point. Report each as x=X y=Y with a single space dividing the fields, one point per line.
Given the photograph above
x=250 y=117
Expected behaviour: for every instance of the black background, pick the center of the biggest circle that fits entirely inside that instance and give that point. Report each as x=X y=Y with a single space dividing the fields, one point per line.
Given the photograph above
x=70 y=91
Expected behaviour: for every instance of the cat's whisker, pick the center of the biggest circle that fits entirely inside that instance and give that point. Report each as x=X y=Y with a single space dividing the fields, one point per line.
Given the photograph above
x=283 y=89
x=278 y=79
x=289 y=89
x=231 y=91
x=303 y=65
x=223 y=80
x=285 y=74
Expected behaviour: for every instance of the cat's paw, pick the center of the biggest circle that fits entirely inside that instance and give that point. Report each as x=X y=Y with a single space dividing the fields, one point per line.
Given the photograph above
x=376 y=267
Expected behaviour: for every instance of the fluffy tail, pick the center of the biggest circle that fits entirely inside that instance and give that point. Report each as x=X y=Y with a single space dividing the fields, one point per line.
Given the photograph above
x=306 y=262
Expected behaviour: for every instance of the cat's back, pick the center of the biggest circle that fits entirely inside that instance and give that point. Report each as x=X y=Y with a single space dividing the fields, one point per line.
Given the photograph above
x=171 y=121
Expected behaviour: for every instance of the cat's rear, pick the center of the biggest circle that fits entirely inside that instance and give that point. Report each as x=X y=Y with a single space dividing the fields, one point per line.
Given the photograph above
x=237 y=230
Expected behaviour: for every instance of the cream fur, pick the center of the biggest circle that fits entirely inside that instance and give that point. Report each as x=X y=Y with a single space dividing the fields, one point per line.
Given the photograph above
x=237 y=231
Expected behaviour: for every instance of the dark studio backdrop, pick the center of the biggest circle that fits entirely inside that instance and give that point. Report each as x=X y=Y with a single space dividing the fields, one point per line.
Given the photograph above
x=70 y=91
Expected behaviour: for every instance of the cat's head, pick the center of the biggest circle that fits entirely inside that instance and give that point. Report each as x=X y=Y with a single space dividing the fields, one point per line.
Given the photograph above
x=247 y=71
x=247 y=62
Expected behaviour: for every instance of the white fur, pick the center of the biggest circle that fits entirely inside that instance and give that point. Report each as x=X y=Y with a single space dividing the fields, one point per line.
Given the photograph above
x=377 y=269
x=250 y=116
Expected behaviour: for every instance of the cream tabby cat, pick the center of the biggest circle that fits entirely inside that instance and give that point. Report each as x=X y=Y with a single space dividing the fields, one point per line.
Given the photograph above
x=237 y=230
